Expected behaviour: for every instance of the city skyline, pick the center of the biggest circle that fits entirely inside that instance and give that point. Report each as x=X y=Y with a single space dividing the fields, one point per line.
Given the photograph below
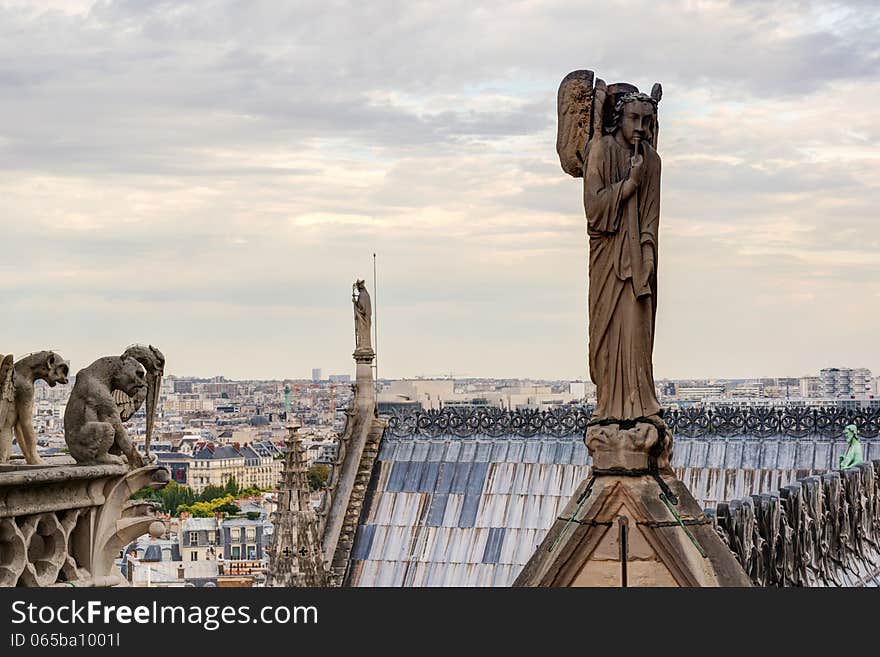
x=192 y=180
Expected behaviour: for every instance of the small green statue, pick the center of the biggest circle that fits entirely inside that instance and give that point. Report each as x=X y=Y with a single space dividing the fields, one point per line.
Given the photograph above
x=853 y=454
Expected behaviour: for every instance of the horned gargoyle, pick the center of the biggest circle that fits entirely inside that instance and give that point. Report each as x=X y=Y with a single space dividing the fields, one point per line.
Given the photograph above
x=17 y=396
x=92 y=422
x=154 y=363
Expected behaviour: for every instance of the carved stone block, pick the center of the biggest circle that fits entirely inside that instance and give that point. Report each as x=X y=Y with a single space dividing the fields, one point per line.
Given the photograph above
x=611 y=446
x=67 y=524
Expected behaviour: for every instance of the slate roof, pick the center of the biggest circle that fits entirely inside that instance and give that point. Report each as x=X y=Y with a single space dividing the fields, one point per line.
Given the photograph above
x=192 y=524
x=446 y=510
x=153 y=552
x=266 y=448
x=203 y=454
x=244 y=522
x=173 y=456
x=226 y=452
x=248 y=453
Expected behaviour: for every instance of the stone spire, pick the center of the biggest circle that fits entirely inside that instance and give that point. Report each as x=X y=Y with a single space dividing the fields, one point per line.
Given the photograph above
x=359 y=443
x=295 y=558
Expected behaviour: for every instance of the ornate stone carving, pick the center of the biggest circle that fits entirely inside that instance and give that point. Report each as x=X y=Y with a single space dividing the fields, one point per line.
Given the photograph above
x=18 y=421
x=153 y=361
x=74 y=529
x=103 y=439
x=628 y=440
x=363 y=318
x=295 y=556
x=820 y=531
x=607 y=135
x=7 y=389
x=358 y=448
x=642 y=446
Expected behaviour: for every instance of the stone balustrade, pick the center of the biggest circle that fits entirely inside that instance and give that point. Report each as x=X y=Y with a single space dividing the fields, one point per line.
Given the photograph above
x=66 y=524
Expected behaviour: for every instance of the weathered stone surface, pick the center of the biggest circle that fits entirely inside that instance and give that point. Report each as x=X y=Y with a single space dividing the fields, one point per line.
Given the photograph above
x=103 y=440
x=153 y=361
x=363 y=318
x=639 y=573
x=819 y=531
x=295 y=556
x=622 y=205
x=631 y=480
x=65 y=525
x=17 y=412
x=574 y=104
x=587 y=531
x=7 y=390
x=638 y=447
x=638 y=548
x=343 y=502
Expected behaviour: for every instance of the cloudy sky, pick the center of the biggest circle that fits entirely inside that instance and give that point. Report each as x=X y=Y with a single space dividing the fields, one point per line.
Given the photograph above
x=211 y=176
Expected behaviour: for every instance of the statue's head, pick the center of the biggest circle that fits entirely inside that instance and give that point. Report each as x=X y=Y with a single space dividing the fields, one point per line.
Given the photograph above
x=148 y=356
x=57 y=369
x=851 y=432
x=158 y=359
x=360 y=284
x=635 y=117
x=130 y=376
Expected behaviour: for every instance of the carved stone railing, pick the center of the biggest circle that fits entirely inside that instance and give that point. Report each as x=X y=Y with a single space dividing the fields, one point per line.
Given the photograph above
x=66 y=524
x=819 y=531
x=795 y=422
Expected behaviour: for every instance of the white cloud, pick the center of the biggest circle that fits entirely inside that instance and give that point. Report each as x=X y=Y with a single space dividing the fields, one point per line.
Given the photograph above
x=210 y=177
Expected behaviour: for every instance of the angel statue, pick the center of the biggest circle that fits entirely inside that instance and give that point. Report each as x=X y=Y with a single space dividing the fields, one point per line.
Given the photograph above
x=154 y=363
x=363 y=316
x=608 y=136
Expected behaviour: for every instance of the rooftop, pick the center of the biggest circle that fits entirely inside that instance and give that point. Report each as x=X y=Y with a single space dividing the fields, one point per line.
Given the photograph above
x=462 y=498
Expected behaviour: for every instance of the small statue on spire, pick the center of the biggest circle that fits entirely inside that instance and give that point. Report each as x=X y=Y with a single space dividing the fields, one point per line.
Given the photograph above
x=363 y=316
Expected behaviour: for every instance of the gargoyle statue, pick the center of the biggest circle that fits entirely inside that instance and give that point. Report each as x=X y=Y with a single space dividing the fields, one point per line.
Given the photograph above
x=19 y=401
x=92 y=422
x=154 y=363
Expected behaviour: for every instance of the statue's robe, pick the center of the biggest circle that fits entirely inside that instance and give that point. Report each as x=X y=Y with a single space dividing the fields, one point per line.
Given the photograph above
x=363 y=311
x=621 y=321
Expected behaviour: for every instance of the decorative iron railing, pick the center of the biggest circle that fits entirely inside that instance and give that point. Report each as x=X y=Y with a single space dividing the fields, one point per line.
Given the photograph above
x=794 y=422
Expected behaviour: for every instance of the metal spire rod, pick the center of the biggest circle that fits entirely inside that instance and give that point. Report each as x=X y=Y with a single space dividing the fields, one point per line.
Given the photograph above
x=376 y=322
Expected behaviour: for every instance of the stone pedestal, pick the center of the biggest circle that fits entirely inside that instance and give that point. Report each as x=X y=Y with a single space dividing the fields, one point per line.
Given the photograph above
x=632 y=522
x=64 y=525
x=358 y=448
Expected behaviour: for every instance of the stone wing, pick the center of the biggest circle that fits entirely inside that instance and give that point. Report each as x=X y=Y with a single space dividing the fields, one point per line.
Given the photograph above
x=574 y=107
x=126 y=405
x=7 y=392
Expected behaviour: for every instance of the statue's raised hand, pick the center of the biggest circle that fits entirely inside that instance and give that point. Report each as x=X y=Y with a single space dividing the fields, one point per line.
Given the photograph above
x=635 y=172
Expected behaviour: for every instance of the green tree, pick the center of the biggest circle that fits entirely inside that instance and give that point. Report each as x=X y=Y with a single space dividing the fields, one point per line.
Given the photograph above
x=318 y=475
x=228 y=508
x=206 y=509
x=232 y=487
x=212 y=493
x=170 y=497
